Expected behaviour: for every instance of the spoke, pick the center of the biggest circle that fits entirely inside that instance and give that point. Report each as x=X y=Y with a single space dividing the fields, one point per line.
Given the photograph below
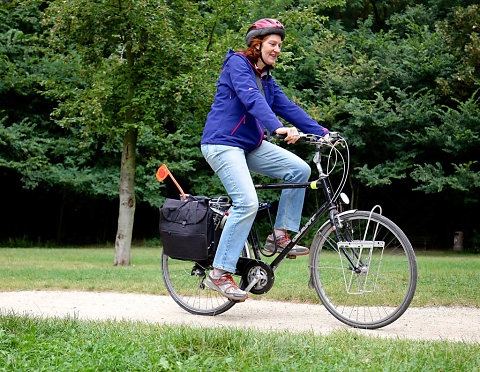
x=184 y=281
x=380 y=291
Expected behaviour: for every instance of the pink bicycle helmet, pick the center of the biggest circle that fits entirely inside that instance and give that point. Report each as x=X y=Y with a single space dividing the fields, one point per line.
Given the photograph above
x=264 y=27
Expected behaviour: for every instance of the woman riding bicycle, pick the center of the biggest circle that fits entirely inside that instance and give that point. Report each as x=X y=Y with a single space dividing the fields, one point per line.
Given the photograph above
x=248 y=100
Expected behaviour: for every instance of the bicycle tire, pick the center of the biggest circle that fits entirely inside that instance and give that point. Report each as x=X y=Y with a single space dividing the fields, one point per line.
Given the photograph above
x=187 y=288
x=383 y=290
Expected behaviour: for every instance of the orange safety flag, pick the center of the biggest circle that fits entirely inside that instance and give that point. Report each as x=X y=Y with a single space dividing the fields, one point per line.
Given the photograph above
x=163 y=172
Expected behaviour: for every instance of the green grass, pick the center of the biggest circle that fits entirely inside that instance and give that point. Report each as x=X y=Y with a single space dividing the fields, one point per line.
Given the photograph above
x=32 y=344
x=448 y=279
x=444 y=279
x=89 y=269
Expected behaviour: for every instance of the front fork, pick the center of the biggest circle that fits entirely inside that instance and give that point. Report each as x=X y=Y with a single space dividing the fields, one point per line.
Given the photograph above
x=340 y=231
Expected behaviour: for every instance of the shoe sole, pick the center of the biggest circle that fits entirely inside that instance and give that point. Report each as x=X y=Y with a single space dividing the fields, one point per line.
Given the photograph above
x=223 y=294
x=231 y=299
x=291 y=253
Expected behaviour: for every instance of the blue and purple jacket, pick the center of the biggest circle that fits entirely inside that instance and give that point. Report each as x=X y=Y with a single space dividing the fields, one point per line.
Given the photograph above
x=240 y=113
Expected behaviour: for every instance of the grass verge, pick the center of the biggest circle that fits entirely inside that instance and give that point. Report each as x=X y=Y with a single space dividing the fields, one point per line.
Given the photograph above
x=33 y=344
x=444 y=279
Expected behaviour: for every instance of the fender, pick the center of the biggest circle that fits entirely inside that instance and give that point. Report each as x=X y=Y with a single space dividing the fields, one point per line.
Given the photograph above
x=350 y=211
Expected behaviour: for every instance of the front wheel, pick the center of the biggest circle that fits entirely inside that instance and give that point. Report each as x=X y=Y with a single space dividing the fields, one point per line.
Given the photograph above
x=365 y=271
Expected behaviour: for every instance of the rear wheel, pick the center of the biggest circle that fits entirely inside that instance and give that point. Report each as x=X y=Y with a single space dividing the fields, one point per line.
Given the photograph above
x=379 y=286
x=185 y=283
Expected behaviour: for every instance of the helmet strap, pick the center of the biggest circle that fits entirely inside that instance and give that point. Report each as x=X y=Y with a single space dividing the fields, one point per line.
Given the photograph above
x=261 y=56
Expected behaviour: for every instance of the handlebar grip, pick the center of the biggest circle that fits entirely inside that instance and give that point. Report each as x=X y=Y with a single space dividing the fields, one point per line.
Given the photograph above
x=279 y=136
x=275 y=136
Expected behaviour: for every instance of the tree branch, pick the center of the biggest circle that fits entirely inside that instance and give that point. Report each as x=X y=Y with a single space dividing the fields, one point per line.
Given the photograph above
x=217 y=16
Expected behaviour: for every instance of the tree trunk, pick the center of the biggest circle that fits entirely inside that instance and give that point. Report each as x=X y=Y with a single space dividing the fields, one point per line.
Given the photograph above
x=355 y=190
x=378 y=20
x=126 y=211
x=458 y=241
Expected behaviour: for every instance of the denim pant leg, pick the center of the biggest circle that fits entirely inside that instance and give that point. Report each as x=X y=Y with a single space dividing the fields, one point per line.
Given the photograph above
x=230 y=165
x=276 y=162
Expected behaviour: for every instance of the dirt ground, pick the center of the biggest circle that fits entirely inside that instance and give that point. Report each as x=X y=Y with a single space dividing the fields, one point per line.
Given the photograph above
x=439 y=323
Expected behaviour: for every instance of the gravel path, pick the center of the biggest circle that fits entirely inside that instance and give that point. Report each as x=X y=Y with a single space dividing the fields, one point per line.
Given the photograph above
x=440 y=323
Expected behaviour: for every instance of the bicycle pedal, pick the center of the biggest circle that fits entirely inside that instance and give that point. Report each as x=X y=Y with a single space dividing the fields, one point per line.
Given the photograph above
x=238 y=301
x=291 y=256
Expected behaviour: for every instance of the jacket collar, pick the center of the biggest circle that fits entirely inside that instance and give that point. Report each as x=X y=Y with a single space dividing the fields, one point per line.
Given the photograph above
x=265 y=73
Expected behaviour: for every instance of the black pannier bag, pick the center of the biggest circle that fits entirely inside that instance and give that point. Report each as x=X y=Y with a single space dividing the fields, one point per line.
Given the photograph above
x=186 y=228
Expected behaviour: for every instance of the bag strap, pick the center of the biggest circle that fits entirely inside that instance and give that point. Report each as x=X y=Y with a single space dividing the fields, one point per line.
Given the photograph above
x=258 y=79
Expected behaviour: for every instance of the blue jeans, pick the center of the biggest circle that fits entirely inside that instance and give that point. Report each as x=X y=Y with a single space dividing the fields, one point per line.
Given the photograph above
x=233 y=165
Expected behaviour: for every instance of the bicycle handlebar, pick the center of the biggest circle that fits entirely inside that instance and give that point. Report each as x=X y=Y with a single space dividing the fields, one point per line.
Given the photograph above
x=333 y=138
x=334 y=155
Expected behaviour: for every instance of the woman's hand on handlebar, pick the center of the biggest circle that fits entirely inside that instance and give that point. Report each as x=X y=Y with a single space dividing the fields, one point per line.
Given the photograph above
x=291 y=133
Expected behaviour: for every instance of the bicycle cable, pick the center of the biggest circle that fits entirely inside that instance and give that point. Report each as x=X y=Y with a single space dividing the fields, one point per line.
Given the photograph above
x=337 y=140
x=337 y=155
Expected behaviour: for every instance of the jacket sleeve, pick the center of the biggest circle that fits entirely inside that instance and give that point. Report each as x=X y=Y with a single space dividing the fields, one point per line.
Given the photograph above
x=245 y=86
x=289 y=111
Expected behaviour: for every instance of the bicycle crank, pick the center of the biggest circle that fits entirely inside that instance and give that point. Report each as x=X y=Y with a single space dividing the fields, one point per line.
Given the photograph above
x=258 y=277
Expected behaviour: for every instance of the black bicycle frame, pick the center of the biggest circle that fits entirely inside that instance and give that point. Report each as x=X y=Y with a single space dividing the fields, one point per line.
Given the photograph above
x=328 y=205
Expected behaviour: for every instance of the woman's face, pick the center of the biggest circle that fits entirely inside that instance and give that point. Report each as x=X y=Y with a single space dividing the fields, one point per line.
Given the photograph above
x=271 y=48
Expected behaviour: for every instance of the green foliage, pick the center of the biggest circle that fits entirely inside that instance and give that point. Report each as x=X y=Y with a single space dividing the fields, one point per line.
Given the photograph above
x=108 y=41
x=462 y=35
x=434 y=179
x=38 y=151
x=390 y=94
x=156 y=89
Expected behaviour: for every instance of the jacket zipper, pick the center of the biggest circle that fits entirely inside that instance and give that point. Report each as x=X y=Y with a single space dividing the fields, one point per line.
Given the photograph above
x=240 y=122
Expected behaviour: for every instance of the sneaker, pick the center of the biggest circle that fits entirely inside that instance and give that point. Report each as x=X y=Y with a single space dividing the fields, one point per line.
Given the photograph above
x=282 y=242
x=227 y=287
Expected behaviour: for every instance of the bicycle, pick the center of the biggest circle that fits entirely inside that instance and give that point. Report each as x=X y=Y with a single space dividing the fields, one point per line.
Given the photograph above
x=362 y=266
